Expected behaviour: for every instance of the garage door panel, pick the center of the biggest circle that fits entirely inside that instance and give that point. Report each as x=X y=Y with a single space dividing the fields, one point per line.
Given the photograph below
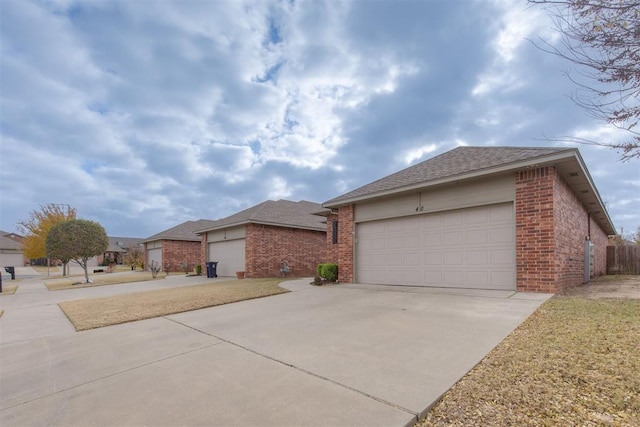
x=478 y=216
x=432 y=239
x=478 y=279
x=454 y=278
x=497 y=214
x=464 y=248
x=502 y=235
x=230 y=255
x=477 y=237
x=477 y=257
x=433 y=258
x=429 y=222
x=412 y=277
x=502 y=257
x=155 y=255
x=503 y=279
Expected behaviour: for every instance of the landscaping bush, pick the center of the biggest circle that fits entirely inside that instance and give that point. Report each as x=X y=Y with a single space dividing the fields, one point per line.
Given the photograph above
x=329 y=272
x=198 y=269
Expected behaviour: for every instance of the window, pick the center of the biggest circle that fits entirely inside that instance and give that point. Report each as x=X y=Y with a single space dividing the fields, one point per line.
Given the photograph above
x=334 y=232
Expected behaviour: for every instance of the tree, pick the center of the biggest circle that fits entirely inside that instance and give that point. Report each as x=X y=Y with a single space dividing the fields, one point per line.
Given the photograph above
x=78 y=240
x=134 y=256
x=36 y=228
x=602 y=37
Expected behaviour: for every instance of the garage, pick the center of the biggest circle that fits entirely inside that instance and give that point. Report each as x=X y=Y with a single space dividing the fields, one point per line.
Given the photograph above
x=155 y=255
x=463 y=248
x=230 y=256
x=11 y=259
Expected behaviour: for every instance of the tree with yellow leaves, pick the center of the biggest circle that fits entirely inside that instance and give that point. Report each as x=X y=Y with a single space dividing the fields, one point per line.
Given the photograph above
x=36 y=228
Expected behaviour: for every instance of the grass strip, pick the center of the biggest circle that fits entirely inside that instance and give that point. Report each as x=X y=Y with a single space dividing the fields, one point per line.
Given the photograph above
x=106 y=311
x=72 y=283
x=9 y=289
x=575 y=361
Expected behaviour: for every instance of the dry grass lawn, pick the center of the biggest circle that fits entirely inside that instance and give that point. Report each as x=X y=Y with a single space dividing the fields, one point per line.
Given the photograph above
x=99 y=312
x=72 y=282
x=9 y=289
x=574 y=362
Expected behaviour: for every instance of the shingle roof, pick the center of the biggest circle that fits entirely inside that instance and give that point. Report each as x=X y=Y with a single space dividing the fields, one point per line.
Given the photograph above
x=451 y=163
x=9 y=244
x=122 y=244
x=284 y=213
x=184 y=231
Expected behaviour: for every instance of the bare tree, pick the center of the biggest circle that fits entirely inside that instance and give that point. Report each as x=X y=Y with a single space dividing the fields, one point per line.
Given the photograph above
x=602 y=37
x=134 y=256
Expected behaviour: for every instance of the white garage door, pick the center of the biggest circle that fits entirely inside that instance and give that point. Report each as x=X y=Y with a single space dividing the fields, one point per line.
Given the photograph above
x=466 y=248
x=229 y=255
x=154 y=255
x=15 y=260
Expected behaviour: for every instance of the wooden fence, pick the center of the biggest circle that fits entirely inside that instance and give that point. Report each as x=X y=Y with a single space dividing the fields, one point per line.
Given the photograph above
x=623 y=259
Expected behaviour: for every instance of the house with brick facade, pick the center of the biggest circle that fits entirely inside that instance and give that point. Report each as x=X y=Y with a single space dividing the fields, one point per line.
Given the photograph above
x=509 y=218
x=11 y=250
x=260 y=240
x=175 y=246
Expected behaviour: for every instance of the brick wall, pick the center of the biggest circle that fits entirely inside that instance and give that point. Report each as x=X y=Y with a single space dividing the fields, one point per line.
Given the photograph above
x=573 y=225
x=267 y=247
x=571 y=230
x=535 y=236
x=203 y=252
x=332 y=249
x=175 y=252
x=346 y=227
x=600 y=240
x=551 y=227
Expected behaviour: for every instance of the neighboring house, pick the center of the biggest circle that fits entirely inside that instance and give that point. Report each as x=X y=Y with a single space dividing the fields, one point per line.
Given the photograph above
x=10 y=250
x=261 y=239
x=119 y=247
x=175 y=246
x=487 y=218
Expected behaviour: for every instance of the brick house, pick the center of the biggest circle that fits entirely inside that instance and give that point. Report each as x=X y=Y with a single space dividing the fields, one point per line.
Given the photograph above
x=119 y=247
x=11 y=250
x=508 y=218
x=261 y=239
x=175 y=246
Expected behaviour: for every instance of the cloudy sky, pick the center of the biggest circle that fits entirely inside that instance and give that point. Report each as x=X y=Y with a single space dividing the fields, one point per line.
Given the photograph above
x=144 y=114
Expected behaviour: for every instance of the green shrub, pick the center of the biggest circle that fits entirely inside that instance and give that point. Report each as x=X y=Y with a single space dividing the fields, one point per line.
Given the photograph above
x=328 y=272
x=198 y=269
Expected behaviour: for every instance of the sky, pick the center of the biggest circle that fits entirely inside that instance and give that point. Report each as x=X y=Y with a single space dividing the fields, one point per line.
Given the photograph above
x=145 y=114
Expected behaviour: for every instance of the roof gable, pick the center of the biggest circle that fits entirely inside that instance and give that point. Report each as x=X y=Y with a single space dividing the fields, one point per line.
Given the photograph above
x=283 y=213
x=458 y=161
x=185 y=231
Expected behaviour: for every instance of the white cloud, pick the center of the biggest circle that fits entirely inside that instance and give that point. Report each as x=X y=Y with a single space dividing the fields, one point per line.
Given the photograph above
x=412 y=155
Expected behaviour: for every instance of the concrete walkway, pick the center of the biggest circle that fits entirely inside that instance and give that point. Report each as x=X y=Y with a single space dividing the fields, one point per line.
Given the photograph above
x=333 y=355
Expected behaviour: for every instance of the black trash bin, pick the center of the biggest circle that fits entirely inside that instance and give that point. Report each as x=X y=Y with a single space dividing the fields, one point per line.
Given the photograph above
x=12 y=271
x=212 y=269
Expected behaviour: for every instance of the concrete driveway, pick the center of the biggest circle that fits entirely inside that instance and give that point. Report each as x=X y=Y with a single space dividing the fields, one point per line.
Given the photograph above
x=333 y=355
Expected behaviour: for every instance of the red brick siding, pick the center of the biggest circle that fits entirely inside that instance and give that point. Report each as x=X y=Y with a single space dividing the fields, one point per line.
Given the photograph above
x=203 y=251
x=573 y=225
x=267 y=247
x=551 y=228
x=535 y=236
x=600 y=240
x=332 y=249
x=346 y=228
x=571 y=222
x=175 y=252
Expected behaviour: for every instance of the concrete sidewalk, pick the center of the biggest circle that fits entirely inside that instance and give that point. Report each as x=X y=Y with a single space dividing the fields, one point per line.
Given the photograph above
x=333 y=355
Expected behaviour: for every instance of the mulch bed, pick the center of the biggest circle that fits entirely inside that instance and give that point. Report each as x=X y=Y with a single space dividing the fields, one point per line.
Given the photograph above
x=574 y=362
